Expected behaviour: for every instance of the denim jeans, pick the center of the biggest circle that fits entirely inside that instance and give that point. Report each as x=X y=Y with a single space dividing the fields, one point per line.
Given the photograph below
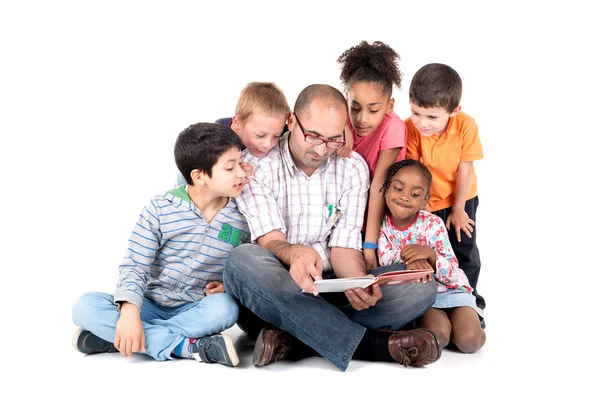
x=164 y=327
x=257 y=279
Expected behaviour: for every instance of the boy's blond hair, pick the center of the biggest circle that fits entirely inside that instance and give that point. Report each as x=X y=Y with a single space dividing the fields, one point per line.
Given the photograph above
x=261 y=97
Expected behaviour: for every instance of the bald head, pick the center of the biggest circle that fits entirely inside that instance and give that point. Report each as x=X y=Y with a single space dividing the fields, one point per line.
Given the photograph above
x=327 y=95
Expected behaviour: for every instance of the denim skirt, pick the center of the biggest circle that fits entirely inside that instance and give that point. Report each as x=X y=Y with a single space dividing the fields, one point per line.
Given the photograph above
x=456 y=298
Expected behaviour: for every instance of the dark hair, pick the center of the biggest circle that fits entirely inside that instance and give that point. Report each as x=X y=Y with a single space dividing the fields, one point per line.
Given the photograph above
x=322 y=92
x=403 y=164
x=375 y=62
x=436 y=85
x=200 y=145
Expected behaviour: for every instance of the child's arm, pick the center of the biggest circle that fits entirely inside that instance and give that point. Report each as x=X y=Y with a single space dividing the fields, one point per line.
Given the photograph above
x=458 y=217
x=377 y=203
x=447 y=270
x=133 y=276
x=129 y=336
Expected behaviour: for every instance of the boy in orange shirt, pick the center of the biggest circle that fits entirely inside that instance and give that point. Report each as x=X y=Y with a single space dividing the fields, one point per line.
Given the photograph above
x=446 y=140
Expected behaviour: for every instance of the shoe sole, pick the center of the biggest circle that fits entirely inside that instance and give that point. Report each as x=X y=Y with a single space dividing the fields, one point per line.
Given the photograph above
x=259 y=351
x=75 y=339
x=230 y=348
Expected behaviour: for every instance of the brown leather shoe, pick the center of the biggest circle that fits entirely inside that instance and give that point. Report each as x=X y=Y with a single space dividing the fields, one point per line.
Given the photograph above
x=272 y=345
x=416 y=347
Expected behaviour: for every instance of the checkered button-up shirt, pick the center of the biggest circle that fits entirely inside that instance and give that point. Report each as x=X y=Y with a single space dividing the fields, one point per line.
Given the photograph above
x=323 y=210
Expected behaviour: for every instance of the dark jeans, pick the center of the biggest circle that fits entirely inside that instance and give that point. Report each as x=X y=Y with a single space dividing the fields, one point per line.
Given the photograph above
x=466 y=250
x=256 y=279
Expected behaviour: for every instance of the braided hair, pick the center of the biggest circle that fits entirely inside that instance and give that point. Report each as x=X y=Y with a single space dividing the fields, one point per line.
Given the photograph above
x=402 y=164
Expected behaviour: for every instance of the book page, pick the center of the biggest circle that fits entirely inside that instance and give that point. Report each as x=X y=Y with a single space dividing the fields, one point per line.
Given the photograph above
x=339 y=285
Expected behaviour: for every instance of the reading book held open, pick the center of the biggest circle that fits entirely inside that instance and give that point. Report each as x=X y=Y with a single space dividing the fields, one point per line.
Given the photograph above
x=385 y=279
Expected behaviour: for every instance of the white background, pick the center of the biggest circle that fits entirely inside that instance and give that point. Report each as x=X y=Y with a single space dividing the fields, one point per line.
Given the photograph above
x=93 y=95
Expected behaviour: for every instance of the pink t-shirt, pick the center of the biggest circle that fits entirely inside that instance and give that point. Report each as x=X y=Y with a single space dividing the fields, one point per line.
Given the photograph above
x=391 y=133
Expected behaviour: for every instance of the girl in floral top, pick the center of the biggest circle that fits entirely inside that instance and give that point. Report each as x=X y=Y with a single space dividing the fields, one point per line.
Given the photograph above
x=418 y=238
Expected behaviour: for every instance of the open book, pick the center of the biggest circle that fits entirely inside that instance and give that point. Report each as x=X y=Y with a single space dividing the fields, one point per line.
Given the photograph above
x=385 y=279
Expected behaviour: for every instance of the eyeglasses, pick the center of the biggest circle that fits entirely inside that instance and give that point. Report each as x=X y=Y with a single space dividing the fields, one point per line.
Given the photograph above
x=316 y=140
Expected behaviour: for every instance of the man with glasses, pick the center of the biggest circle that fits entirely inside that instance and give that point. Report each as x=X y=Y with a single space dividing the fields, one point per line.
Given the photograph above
x=305 y=208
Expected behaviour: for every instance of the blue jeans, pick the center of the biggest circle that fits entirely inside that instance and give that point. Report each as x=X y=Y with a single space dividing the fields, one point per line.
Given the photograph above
x=257 y=279
x=164 y=327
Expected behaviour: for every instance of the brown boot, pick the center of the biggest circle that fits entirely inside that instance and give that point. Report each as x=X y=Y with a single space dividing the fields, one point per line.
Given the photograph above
x=272 y=345
x=416 y=347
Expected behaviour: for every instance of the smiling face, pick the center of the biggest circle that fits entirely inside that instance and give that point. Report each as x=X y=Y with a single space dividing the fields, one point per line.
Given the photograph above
x=407 y=194
x=259 y=133
x=226 y=175
x=368 y=104
x=430 y=121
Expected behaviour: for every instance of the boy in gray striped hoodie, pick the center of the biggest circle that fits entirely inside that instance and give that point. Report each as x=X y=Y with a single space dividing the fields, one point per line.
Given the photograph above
x=170 y=300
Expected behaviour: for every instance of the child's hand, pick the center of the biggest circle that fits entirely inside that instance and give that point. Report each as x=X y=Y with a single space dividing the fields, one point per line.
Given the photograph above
x=421 y=265
x=248 y=169
x=461 y=222
x=346 y=150
x=129 y=336
x=214 y=287
x=370 y=258
x=414 y=252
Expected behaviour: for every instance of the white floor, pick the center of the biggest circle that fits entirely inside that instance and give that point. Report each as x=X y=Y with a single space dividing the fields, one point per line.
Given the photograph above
x=92 y=98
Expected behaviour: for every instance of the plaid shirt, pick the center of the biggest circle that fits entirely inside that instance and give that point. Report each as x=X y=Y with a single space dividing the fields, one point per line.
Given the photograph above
x=321 y=211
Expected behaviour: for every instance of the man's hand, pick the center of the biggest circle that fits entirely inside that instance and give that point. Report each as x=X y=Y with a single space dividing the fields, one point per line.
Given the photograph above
x=129 y=337
x=370 y=258
x=461 y=222
x=361 y=299
x=214 y=287
x=421 y=265
x=414 y=252
x=346 y=149
x=249 y=170
x=306 y=263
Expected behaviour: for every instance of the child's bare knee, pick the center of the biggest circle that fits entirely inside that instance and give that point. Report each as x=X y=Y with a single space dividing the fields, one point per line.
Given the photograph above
x=469 y=341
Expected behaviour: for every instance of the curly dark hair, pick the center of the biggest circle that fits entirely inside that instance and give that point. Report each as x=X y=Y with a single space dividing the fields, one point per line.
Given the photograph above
x=375 y=62
x=403 y=164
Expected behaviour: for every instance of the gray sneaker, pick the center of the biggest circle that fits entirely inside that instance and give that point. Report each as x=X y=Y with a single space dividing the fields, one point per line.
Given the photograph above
x=87 y=343
x=215 y=349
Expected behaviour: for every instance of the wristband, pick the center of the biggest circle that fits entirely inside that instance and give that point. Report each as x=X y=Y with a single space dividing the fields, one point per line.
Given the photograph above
x=369 y=245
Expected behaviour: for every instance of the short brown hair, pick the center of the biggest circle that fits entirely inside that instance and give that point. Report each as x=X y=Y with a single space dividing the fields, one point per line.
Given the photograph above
x=436 y=85
x=261 y=97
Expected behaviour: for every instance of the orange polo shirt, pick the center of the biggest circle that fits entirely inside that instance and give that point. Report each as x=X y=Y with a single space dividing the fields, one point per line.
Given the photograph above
x=442 y=155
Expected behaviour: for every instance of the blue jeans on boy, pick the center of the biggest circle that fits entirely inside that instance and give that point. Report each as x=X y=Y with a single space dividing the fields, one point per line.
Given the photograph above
x=164 y=327
x=257 y=279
